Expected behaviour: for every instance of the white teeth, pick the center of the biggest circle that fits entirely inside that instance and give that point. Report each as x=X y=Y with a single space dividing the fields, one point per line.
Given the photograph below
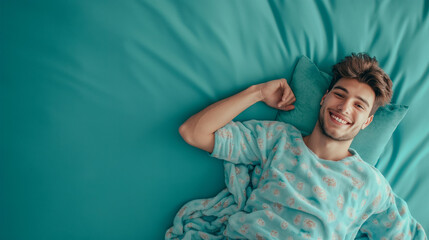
x=338 y=119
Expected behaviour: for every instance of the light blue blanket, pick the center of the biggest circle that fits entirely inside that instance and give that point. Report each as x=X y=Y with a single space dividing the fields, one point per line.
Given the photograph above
x=206 y=218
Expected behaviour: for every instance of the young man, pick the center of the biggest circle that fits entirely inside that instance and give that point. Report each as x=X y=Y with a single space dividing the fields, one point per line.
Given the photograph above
x=315 y=186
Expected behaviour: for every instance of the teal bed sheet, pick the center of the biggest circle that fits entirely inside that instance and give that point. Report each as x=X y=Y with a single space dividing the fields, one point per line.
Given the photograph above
x=92 y=94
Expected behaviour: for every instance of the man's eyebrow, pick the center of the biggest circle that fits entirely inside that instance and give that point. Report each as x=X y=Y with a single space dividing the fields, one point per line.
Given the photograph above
x=359 y=97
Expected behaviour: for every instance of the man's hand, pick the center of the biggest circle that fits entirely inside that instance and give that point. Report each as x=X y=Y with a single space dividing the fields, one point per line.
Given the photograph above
x=277 y=94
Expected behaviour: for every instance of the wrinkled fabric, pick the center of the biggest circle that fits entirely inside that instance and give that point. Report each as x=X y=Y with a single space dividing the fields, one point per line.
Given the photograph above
x=277 y=188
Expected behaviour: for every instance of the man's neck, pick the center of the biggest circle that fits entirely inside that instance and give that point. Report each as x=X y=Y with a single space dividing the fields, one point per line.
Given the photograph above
x=327 y=148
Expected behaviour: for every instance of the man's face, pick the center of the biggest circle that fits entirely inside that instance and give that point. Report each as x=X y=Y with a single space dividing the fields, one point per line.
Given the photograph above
x=345 y=109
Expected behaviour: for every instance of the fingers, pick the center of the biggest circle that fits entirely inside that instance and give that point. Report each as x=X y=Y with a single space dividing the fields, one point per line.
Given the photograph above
x=289 y=107
x=287 y=98
x=287 y=92
x=286 y=89
x=286 y=103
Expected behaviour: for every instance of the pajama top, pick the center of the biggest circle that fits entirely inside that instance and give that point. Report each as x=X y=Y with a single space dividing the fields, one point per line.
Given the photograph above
x=301 y=196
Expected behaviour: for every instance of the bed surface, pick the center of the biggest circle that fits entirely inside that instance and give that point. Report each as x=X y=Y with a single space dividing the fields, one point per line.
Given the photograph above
x=92 y=95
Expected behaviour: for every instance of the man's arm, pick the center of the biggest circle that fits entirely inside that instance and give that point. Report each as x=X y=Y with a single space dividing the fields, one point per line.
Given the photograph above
x=395 y=222
x=199 y=129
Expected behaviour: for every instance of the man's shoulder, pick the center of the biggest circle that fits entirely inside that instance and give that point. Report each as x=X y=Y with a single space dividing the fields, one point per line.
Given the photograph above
x=373 y=175
x=363 y=163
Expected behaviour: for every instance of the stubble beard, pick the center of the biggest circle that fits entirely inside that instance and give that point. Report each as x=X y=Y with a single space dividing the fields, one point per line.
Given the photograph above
x=346 y=137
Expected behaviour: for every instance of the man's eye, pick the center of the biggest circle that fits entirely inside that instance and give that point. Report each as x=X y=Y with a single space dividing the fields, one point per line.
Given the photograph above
x=339 y=95
x=360 y=106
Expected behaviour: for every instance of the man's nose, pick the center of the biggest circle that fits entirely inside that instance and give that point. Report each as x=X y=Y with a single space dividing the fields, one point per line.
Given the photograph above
x=345 y=106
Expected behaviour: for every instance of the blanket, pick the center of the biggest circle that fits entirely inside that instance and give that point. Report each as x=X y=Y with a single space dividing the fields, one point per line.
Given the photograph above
x=207 y=218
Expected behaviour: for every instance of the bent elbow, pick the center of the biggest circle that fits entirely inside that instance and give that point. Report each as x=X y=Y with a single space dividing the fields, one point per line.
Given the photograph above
x=182 y=130
x=184 y=133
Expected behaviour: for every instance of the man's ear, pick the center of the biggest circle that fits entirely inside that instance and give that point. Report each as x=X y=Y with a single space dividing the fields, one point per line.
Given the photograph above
x=367 y=122
x=323 y=98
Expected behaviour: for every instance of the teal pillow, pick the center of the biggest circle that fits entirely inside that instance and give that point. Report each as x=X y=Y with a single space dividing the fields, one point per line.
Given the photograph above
x=309 y=84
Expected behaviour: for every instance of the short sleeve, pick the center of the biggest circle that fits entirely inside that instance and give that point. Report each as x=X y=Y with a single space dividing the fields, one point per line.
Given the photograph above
x=394 y=222
x=248 y=142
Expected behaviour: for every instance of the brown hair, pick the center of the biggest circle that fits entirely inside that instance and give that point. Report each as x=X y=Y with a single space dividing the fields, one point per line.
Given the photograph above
x=365 y=69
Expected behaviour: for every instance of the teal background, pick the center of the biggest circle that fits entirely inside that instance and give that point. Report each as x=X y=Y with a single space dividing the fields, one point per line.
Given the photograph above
x=92 y=94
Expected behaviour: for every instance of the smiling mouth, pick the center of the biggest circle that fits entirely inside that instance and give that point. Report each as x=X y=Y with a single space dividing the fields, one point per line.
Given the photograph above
x=338 y=120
